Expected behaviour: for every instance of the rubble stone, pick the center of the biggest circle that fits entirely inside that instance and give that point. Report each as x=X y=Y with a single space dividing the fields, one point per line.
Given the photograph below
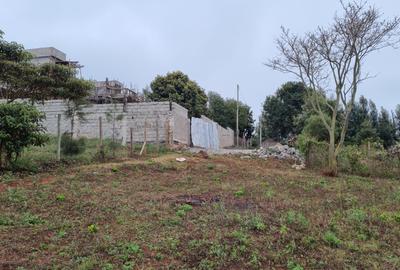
x=282 y=152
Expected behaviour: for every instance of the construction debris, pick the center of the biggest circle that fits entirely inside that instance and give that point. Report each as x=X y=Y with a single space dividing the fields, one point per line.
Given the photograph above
x=180 y=159
x=281 y=152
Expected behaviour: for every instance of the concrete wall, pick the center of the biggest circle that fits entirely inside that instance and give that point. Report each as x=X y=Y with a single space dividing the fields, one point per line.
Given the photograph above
x=169 y=119
x=226 y=137
x=205 y=133
x=208 y=134
x=155 y=115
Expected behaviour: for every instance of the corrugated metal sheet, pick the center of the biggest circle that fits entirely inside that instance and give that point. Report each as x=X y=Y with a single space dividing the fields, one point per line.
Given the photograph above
x=205 y=134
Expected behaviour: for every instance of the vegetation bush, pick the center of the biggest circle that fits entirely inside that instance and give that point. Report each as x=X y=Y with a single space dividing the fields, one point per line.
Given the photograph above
x=71 y=146
x=20 y=127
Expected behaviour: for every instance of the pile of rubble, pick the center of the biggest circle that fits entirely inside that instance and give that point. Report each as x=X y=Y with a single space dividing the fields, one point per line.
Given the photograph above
x=282 y=152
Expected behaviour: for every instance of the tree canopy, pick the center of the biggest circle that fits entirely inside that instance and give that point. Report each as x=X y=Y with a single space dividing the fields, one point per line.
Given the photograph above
x=177 y=87
x=20 y=79
x=20 y=126
x=281 y=109
x=223 y=111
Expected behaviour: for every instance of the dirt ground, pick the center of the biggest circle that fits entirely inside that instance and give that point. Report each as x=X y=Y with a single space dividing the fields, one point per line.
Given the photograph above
x=218 y=212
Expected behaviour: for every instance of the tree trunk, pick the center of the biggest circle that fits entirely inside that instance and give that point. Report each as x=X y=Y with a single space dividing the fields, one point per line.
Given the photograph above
x=332 y=162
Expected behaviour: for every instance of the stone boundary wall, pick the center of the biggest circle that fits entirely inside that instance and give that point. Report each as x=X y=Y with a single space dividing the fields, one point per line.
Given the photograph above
x=164 y=115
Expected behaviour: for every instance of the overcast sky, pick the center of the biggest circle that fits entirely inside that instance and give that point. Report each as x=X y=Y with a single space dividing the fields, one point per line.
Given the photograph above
x=218 y=43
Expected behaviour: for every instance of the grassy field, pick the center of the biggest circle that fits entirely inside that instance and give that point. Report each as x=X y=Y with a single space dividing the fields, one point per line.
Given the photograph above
x=204 y=213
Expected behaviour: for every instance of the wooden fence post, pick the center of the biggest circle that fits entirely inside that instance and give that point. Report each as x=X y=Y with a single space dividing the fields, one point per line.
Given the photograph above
x=131 y=146
x=167 y=132
x=143 y=150
x=59 y=137
x=157 y=137
x=101 y=131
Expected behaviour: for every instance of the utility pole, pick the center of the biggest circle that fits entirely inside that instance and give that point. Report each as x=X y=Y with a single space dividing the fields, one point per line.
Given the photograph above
x=237 y=115
x=260 y=132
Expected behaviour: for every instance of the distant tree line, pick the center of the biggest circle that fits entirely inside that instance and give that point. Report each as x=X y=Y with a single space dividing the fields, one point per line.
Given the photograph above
x=287 y=114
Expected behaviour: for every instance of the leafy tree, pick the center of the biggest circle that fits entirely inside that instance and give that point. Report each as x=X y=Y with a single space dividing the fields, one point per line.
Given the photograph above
x=177 y=87
x=332 y=58
x=19 y=78
x=280 y=111
x=397 y=120
x=386 y=129
x=223 y=111
x=217 y=109
x=20 y=126
x=373 y=114
x=360 y=123
x=246 y=121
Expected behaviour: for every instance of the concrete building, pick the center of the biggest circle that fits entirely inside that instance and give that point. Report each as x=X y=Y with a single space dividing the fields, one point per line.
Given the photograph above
x=112 y=90
x=51 y=55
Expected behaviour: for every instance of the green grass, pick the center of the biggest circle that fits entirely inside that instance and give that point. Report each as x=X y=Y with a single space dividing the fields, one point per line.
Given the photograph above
x=142 y=214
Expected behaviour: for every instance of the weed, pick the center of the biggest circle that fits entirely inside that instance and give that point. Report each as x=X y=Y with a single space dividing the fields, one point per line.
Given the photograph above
x=309 y=241
x=255 y=259
x=16 y=195
x=132 y=248
x=114 y=170
x=293 y=217
x=60 y=197
x=183 y=209
x=5 y=221
x=186 y=207
x=30 y=219
x=269 y=193
x=159 y=257
x=170 y=222
x=292 y=265
x=239 y=193
x=356 y=215
x=332 y=239
x=240 y=237
x=61 y=233
x=107 y=266
x=210 y=166
x=86 y=263
x=218 y=250
x=283 y=230
x=256 y=223
x=92 y=228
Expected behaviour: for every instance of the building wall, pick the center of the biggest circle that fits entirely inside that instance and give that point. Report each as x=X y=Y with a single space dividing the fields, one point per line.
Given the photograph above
x=135 y=117
x=169 y=119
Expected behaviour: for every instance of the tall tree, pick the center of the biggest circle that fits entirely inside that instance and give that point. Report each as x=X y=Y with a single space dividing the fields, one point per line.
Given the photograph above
x=217 y=110
x=386 y=129
x=19 y=78
x=246 y=121
x=280 y=111
x=223 y=111
x=176 y=86
x=336 y=54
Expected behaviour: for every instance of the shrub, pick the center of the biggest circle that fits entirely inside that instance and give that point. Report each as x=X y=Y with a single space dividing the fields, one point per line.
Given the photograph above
x=239 y=193
x=332 y=239
x=293 y=217
x=256 y=223
x=92 y=228
x=71 y=146
x=20 y=127
x=291 y=265
x=356 y=215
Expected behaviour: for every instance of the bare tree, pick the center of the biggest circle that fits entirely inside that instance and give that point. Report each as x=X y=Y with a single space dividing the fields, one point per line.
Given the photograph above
x=330 y=60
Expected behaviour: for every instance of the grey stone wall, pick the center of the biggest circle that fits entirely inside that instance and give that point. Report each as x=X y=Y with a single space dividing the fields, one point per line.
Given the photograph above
x=169 y=119
x=153 y=115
